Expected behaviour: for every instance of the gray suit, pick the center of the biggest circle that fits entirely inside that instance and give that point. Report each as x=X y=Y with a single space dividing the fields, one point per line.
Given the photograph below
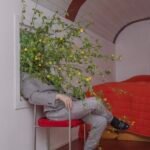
x=90 y=111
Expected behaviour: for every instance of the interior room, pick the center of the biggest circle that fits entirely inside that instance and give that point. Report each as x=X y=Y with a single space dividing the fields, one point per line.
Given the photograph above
x=121 y=29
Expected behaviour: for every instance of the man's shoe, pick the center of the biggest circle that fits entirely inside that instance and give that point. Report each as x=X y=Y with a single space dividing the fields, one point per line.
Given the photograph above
x=119 y=124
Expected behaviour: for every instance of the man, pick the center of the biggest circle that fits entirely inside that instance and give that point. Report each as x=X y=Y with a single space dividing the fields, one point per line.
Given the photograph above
x=56 y=107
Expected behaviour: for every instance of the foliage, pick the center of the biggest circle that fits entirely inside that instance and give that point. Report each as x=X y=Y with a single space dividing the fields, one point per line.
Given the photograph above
x=59 y=53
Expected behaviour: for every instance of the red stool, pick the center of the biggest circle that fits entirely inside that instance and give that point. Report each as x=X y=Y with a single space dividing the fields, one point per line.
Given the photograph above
x=46 y=123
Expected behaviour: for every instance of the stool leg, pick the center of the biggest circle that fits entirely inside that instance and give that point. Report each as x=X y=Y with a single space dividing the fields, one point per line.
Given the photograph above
x=34 y=126
x=48 y=138
x=34 y=140
x=84 y=126
x=70 y=137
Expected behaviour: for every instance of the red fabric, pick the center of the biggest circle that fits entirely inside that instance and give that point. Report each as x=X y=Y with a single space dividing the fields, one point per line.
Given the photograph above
x=129 y=98
x=44 y=122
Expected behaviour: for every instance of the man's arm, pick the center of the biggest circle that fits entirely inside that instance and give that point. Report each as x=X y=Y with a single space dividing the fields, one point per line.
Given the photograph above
x=42 y=94
x=37 y=92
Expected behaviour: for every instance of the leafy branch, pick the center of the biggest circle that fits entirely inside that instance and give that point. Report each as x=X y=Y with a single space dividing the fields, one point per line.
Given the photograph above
x=59 y=53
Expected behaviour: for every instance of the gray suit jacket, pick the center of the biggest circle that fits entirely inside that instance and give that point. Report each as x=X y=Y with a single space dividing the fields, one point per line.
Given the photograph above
x=39 y=93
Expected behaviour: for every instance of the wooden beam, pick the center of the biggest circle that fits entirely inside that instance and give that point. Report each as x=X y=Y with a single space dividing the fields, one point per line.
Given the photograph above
x=73 y=9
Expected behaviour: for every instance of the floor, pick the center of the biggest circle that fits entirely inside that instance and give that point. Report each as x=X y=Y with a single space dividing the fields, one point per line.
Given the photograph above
x=112 y=145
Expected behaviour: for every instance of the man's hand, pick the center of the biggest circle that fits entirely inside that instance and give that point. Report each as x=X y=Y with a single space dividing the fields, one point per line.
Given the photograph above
x=66 y=99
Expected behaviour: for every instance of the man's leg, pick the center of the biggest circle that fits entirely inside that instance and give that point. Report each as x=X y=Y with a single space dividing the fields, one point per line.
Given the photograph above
x=82 y=108
x=89 y=106
x=99 y=108
x=98 y=125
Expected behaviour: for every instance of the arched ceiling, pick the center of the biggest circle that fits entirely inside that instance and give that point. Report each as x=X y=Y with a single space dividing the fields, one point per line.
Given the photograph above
x=108 y=17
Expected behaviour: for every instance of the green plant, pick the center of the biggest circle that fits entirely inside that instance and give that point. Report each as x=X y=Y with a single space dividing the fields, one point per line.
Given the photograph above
x=59 y=53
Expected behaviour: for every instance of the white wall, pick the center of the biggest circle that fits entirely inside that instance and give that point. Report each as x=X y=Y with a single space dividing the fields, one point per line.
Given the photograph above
x=107 y=47
x=13 y=123
x=16 y=125
x=134 y=45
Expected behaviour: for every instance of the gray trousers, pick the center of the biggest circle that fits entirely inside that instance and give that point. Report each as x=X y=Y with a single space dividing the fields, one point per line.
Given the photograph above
x=92 y=112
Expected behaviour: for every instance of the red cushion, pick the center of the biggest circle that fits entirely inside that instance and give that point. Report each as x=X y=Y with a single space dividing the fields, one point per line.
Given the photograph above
x=44 y=122
x=129 y=99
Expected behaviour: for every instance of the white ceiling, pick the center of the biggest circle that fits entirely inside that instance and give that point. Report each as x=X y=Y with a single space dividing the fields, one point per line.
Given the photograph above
x=108 y=16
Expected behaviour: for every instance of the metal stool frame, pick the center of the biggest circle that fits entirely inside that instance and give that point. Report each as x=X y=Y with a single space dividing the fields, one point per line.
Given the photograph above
x=48 y=134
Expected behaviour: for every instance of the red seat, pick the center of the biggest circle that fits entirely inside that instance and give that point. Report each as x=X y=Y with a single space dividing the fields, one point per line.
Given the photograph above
x=44 y=122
